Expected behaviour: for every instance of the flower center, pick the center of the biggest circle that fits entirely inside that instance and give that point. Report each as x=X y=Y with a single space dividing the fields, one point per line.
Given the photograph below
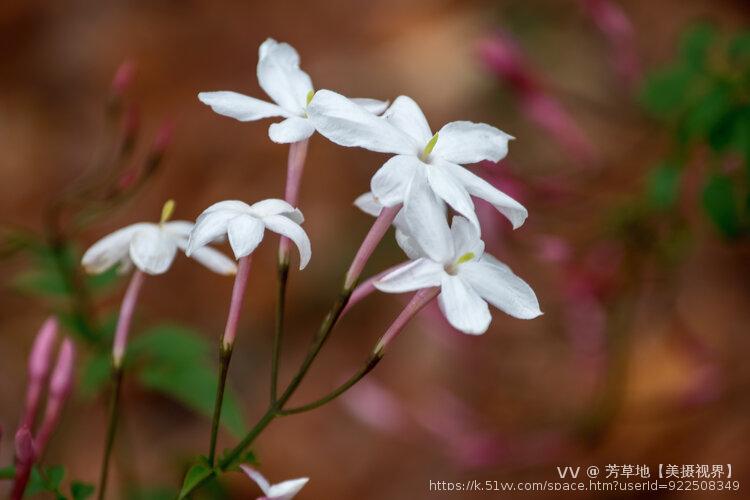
x=166 y=211
x=452 y=269
x=425 y=154
x=308 y=99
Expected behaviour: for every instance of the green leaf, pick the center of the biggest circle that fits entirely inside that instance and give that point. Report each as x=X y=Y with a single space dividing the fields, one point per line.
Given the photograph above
x=152 y=493
x=96 y=374
x=8 y=472
x=176 y=362
x=739 y=50
x=247 y=457
x=46 y=480
x=720 y=205
x=81 y=491
x=708 y=111
x=663 y=185
x=195 y=387
x=665 y=92
x=103 y=281
x=198 y=473
x=41 y=282
x=695 y=46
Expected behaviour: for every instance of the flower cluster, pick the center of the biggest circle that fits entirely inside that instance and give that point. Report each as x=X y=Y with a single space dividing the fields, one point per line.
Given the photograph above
x=419 y=189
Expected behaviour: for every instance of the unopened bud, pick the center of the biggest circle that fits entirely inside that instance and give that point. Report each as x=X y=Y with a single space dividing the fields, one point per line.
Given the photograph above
x=62 y=377
x=25 y=452
x=123 y=78
x=39 y=360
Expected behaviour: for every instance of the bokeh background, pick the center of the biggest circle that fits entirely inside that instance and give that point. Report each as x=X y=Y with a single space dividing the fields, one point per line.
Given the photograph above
x=632 y=128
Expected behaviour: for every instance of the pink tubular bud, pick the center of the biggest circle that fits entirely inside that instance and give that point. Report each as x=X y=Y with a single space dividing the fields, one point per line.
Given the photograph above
x=25 y=452
x=62 y=378
x=123 y=78
x=39 y=361
x=163 y=137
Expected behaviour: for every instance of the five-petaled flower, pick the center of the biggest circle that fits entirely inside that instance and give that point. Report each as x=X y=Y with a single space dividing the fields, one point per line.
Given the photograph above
x=426 y=172
x=286 y=490
x=151 y=247
x=280 y=76
x=245 y=226
x=468 y=278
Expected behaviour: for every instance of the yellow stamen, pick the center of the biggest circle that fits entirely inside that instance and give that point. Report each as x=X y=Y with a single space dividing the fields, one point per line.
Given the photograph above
x=465 y=258
x=428 y=149
x=310 y=96
x=167 y=211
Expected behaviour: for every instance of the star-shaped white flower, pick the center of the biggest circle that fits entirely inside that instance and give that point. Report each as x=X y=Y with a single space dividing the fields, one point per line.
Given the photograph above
x=285 y=490
x=468 y=279
x=152 y=248
x=426 y=172
x=290 y=88
x=245 y=225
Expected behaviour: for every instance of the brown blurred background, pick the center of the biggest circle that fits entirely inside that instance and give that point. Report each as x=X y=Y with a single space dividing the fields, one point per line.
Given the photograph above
x=509 y=405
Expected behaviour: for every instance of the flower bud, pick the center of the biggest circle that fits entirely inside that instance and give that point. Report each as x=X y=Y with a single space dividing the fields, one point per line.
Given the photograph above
x=123 y=78
x=39 y=360
x=62 y=377
x=25 y=452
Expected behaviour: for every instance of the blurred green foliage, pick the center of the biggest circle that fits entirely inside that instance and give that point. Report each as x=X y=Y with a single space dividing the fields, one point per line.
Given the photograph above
x=703 y=97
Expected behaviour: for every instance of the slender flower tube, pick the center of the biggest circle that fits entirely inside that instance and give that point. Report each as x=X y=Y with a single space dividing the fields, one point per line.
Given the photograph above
x=295 y=166
x=126 y=315
x=235 y=306
x=420 y=299
x=39 y=366
x=60 y=386
x=371 y=241
x=25 y=457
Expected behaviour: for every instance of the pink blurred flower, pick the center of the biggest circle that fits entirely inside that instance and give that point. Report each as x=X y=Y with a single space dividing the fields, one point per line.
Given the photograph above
x=39 y=367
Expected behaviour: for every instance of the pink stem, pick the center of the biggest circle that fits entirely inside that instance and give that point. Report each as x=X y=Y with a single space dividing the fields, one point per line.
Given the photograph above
x=235 y=307
x=59 y=389
x=295 y=166
x=377 y=231
x=364 y=289
x=126 y=315
x=420 y=299
x=25 y=456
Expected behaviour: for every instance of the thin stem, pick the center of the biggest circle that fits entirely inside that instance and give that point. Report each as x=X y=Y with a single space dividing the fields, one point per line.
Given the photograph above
x=125 y=318
x=111 y=428
x=225 y=355
x=372 y=361
x=373 y=238
x=283 y=274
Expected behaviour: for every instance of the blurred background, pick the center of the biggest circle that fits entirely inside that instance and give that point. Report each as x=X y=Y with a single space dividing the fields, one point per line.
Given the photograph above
x=632 y=120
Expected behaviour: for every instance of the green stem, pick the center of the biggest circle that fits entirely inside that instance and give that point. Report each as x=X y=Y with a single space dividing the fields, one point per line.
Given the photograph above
x=225 y=355
x=372 y=361
x=111 y=428
x=283 y=274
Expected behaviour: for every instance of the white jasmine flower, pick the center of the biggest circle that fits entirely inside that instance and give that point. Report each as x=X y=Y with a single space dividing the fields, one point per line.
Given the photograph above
x=426 y=172
x=290 y=88
x=245 y=226
x=285 y=490
x=151 y=247
x=468 y=279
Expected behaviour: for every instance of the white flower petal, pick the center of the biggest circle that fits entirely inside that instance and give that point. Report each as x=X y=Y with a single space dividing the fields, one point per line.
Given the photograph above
x=424 y=218
x=497 y=284
x=245 y=234
x=152 y=250
x=390 y=182
x=256 y=476
x=111 y=250
x=233 y=205
x=293 y=129
x=408 y=244
x=210 y=226
x=475 y=185
x=406 y=115
x=466 y=238
x=374 y=106
x=451 y=191
x=287 y=227
x=240 y=107
x=347 y=124
x=179 y=228
x=462 y=306
x=468 y=142
x=211 y=258
x=286 y=490
x=369 y=204
x=271 y=206
x=280 y=76
x=421 y=273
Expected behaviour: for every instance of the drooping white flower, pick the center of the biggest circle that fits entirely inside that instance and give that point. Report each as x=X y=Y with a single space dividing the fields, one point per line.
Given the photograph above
x=426 y=172
x=290 y=88
x=245 y=225
x=151 y=248
x=285 y=490
x=468 y=279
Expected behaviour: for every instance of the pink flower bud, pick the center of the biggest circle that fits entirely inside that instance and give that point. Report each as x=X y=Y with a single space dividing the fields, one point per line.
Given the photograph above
x=62 y=378
x=123 y=78
x=39 y=361
x=25 y=452
x=163 y=138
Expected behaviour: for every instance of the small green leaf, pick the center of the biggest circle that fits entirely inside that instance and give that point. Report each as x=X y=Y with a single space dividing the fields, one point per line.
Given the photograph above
x=665 y=92
x=81 y=491
x=198 y=473
x=663 y=186
x=41 y=282
x=720 y=204
x=152 y=493
x=8 y=472
x=696 y=45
